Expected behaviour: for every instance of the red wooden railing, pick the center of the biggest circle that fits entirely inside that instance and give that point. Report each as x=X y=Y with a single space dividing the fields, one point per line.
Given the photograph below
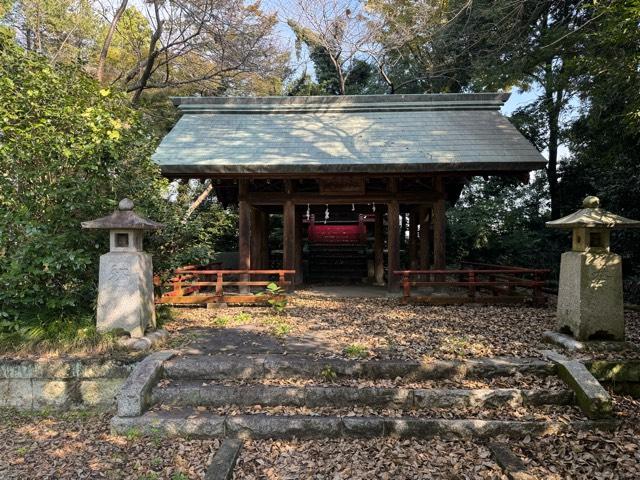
x=192 y=285
x=504 y=283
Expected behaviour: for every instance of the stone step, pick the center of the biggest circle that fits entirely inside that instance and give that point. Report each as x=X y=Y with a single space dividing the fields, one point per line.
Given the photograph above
x=223 y=367
x=195 y=394
x=189 y=423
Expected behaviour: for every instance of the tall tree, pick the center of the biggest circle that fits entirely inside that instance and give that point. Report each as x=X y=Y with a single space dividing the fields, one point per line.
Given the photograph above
x=338 y=40
x=487 y=44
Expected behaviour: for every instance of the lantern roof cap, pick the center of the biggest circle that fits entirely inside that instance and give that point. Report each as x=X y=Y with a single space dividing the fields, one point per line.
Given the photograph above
x=592 y=216
x=123 y=218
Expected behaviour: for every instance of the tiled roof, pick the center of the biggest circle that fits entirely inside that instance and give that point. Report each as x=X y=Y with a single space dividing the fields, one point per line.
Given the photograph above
x=370 y=133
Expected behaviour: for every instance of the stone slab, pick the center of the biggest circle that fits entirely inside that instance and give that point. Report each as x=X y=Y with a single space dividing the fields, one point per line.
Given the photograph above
x=193 y=394
x=569 y=343
x=215 y=367
x=135 y=395
x=298 y=426
x=206 y=425
x=592 y=398
x=348 y=396
x=219 y=367
x=448 y=398
x=363 y=427
x=511 y=464
x=171 y=423
x=224 y=461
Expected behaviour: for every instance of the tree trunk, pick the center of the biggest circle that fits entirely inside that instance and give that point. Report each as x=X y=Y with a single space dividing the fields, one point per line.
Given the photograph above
x=151 y=58
x=554 y=106
x=109 y=38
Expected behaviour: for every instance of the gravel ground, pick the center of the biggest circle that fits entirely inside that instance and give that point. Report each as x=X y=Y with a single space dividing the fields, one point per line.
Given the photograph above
x=383 y=328
x=78 y=445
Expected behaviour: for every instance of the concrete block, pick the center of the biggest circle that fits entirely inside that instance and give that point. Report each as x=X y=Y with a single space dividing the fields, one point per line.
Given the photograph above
x=16 y=393
x=100 y=392
x=50 y=393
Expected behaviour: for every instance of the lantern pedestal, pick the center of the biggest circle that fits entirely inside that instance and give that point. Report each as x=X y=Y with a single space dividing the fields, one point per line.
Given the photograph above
x=590 y=304
x=125 y=294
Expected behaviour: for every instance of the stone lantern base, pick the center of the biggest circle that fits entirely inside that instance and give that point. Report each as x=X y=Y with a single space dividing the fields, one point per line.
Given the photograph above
x=590 y=305
x=125 y=295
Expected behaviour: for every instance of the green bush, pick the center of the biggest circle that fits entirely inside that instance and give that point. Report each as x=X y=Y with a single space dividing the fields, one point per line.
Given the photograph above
x=69 y=151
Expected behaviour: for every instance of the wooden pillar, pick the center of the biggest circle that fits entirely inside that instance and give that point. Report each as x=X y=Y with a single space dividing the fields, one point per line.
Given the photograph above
x=425 y=237
x=257 y=227
x=244 y=232
x=289 y=232
x=264 y=241
x=298 y=250
x=378 y=249
x=439 y=228
x=393 y=244
x=413 y=240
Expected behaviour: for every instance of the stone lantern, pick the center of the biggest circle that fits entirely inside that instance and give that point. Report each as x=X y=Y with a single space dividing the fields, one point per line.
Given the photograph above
x=125 y=289
x=590 y=305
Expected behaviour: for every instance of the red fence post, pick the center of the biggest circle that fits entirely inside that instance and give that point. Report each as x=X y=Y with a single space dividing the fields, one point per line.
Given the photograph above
x=472 y=281
x=406 y=286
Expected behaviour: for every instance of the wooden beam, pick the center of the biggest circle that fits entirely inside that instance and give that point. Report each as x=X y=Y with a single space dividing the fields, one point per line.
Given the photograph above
x=425 y=236
x=439 y=229
x=244 y=232
x=278 y=198
x=413 y=239
x=378 y=249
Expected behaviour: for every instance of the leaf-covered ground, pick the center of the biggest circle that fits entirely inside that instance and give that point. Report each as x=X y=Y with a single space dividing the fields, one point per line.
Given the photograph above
x=79 y=445
x=383 y=328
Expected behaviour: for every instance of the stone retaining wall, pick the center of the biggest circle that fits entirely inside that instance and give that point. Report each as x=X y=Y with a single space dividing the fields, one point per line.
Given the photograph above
x=36 y=384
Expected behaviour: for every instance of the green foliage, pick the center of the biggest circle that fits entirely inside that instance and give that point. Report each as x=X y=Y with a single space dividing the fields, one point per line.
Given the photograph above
x=69 y=151
x=355 y=350
x=276 y=298
x=328 y=374
x=278 y=326
x=500 y=221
